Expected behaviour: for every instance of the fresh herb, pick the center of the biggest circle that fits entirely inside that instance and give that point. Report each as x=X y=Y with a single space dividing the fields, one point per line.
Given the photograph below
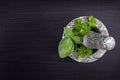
x=84 y=29
x=65 y=47
x=77 y=39
x=68 y=32
x=81 y=28
x=91 y=21
x=76 y=32
x=83 y=52
x=77 y=24
x=74 y=37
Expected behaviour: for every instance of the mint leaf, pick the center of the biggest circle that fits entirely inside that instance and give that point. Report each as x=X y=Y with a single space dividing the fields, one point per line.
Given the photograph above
x=91 y=21
x=65 y=47
x=77 y=39
x=80 y=28
x=77 y=24
x=68 y=32
x=85 y=29
x=83 y=52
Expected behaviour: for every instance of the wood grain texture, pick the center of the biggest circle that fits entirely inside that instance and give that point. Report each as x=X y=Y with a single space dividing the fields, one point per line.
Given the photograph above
x=31 y=30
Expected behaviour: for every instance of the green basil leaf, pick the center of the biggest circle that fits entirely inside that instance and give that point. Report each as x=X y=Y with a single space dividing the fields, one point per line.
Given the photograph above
x=65 y=47
x=68 y=32
x=91 y=21
x=77 y=39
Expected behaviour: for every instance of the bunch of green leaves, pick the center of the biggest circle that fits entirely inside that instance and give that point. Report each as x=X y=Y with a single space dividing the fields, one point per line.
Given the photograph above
x=83 y=52
x=75 y=37
x=81 y=29
x=91 y=21
x=66 y=45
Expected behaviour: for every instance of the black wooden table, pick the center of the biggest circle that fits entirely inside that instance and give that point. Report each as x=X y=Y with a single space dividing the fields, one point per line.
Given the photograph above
x=31 y=30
